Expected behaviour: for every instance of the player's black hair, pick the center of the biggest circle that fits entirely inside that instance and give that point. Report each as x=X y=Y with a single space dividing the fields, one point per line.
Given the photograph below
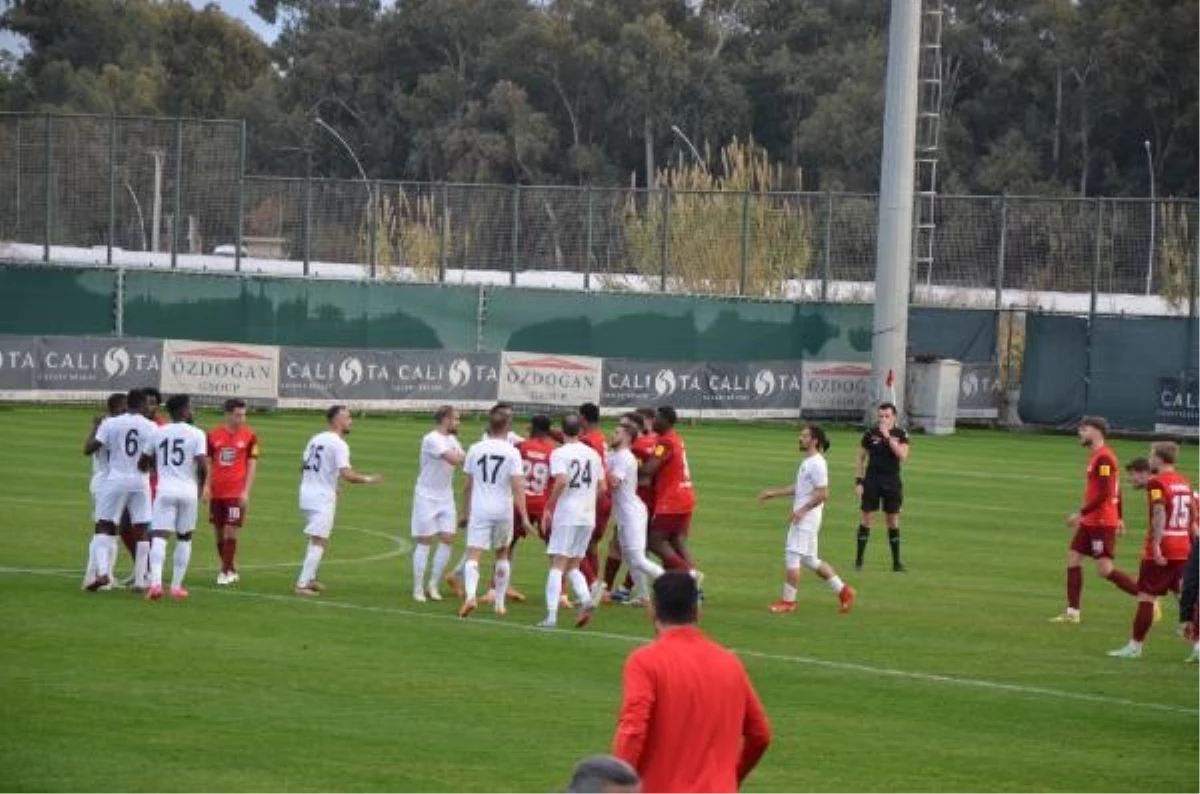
x=135 y=401
x=888 y=407
x=571 y=426
x=332 y=411
x=676 y=599
x=234 y=403
x=116 y=403
x=150 y=391
x=1097 y=422
x=177 y=406
x=501 y=406
x=442 y=413
x=817 y=432
x=540 y=425
x=590 y=413
x=667 y=414
x=1138 y=464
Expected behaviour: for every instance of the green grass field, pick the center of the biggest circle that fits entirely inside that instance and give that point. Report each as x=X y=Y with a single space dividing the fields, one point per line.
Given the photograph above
x=947 y=678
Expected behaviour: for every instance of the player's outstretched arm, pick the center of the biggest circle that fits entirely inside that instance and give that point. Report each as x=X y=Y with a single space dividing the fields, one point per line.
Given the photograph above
x=454 y=457
x=350 y=475
x=91 y=445
x=767 y=494
x=468 y=486
x=251 y=473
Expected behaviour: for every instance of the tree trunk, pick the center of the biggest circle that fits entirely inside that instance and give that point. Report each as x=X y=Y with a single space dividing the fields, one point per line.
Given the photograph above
x=1058 y=112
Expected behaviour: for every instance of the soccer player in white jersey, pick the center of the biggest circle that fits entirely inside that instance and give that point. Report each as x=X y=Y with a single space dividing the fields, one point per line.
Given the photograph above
x=628 y=508
x=433 y=516
x=126 y=486
x=809 y=494
x=494 y=489
x=326 y=461
x=179 y=453
x=116 y=406
x=571 y=512
x=506 y=410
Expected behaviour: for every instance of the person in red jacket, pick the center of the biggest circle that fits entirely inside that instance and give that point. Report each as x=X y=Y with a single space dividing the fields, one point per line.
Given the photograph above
x=690 y=719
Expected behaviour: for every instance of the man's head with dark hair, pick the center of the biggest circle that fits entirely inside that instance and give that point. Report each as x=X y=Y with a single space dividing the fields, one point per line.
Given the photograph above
x=1139 y=472
x=571 y=426
x=499 y=423
x=885 y=416
x=539 y=426
x=590 y=414
x=135 y=401
x=629 y=427
x=1092 y=431
x=603 y=774
x=153 y=397
x=235 y=412
x=676 y=600
x=339 y=419
x=664 y=419
x=813 y=436
x=116 y=403
x=179 y=408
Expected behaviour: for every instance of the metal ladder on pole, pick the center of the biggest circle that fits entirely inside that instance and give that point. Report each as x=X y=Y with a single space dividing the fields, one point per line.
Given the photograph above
x=929 y=122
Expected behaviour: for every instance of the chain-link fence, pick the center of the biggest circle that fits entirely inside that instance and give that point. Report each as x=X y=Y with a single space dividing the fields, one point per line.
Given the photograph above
x=153 y=191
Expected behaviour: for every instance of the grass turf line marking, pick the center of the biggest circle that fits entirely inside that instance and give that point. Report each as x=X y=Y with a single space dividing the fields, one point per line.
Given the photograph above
x=911 y=675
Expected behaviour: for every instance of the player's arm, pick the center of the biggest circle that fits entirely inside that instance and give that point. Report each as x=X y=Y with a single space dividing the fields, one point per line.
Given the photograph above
x=467 y=486
x=146 y=461
x=93 y=443
x=819 y=495
x=1158 y=519
x=899 y=446
x=658 y=458
x=251 y=470
x=201 y=461
x=860 y=463
x=560 y=485
x=756 y=732
x=602 y=485
x=350 y=475
x=518 y=494
x=767 y=494
x=637 y=710
x=1106 y=474
x=454 y=457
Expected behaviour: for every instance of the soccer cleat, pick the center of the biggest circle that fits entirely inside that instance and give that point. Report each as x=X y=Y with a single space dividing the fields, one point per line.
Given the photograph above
x=1158 y=613
x=782 y=606
x=419 y=595
x=547 y=624
x=500 y=611
x=129 y=581
x=108 y=586
x=1066 y=617
x=96 y=584
x=315 y=586
x=1128 y=651
x=899 y=568
x=1195 y=657
x=434 y=593
x=516 y=595
x=154 y=593
x=456 y=585
x=619 y=596
x=584 y=615
x=179 y=593
x=858 y=566
x=846 y=597
x=305 y=590
x=467 y=608
x=222 y=579
x=637 y=603
x=596 y=594
x=233 y=577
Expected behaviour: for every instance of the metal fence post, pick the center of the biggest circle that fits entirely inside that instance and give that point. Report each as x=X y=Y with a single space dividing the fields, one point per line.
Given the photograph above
x=373 y=228
x=119 y=303
x=49 y=218
x=1003 y=251
x=827 y=264
x=176 y=221
x=587 y=257
x=1193 y=274
x=516 y=229
x=112 y=188
x=240 y=234
x=1091 y=322
x=665 y=242
x=742 y=271
x=308 y=201
x=444 y=237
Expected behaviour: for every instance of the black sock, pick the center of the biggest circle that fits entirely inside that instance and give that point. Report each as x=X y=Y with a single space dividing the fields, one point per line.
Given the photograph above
x=864 y=534
x=894 y=542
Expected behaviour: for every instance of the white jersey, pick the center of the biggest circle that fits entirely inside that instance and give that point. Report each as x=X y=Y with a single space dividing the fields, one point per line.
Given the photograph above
x=583 y=469
x=99 y=468
x=436 y=478
x=623 y=467
x=511 y=438
x=813 y=474
x=492 y=464
x=175 y=448
x=325 y=455
x=125 y=439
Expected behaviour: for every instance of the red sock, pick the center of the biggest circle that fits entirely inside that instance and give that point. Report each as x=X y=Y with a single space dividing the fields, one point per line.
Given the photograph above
x=1143 y=619
x=1124 y=581
x=628 y=583
x=228 y=555
x=129 y=538
x=1074 y=587
x=611 y=568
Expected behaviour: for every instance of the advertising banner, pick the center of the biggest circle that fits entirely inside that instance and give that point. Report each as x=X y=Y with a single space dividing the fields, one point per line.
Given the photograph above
x=549 y=379
x=76 y=367
x=1178 y=410
x=221 y=370
x=376 y=377
x=18 y=365
x=836 y=388
x=735 y=388
x=979 y=391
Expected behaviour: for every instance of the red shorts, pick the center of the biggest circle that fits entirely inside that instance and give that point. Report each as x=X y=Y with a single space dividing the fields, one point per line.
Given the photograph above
x=1095 y=542
x=671 y=523
x=1158 y=580
x=226 y=513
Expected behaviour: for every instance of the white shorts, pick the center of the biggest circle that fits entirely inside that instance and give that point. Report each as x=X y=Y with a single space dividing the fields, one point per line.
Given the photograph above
x=318 y=521
x=433 y=517
x=802 y=540
x=115 y=500
x=631 y=531
x=175 y=514
x=489 y=535
x=94 y=489
x=569 y=541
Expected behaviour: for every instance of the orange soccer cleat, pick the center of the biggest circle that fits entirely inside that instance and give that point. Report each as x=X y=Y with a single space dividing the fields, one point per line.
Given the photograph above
x=847 y=597
x=782 y=606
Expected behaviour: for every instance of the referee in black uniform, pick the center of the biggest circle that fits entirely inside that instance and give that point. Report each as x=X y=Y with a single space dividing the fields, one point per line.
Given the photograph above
x=883 y=448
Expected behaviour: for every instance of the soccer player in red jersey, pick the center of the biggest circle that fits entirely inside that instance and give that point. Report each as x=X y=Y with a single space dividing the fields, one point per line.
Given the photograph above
x=674 y=498
x=233 y=456
x=593 y=436
x=1168 y=540
x=535 y=458
x=1098 y=521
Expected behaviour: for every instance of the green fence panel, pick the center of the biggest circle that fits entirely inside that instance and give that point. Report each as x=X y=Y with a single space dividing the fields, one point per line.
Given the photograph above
x=185 y=306
x=51 y=300
x=1129 y=356
x=1054 y=375
x=418 y=316
x=961 y=334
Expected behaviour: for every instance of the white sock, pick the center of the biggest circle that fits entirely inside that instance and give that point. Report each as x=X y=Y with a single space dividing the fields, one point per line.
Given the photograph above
x=789 y=593
x=641 y=583
x=114 y=551
x=579 y=584
x=141 y=564
x=503 y=572
x=183 y=555
x=836 y=584
x=440 y=558
x=471 y=578
x=92 y=570
x=420 y=562
x=101 y=551
x=312 y=561
x=553 y=593
x=639 y=562
x=1073 y=612
x=158 y=556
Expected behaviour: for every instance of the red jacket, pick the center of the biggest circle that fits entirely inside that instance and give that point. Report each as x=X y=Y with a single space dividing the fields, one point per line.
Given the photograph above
x=690 y=719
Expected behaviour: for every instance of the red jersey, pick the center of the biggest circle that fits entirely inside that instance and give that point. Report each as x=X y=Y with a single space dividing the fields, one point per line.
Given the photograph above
x=643 y=450
x=596 y=440
x=673 y=494
x=1102 y=499
x=230 y=452
x=1196 y=514
x=1173 y=492
x=535 y=458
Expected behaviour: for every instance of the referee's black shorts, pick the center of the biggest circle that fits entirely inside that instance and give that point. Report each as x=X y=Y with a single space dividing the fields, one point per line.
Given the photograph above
x=878 y=494
x=1191 y=584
